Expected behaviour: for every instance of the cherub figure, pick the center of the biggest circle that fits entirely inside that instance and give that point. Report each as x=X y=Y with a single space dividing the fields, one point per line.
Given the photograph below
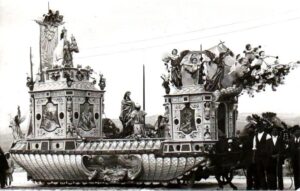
x=251 y=53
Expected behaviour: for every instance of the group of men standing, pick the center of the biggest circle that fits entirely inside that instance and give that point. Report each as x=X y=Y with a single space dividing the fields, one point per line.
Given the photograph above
x=266 y=148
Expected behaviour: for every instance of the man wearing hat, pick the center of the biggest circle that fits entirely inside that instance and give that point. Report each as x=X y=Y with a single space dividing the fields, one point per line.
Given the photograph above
x=247 y=156
x=274 y=172
x=261 y=151
x=295 y=155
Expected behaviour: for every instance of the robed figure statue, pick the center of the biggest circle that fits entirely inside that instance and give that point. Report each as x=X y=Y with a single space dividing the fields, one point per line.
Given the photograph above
x=127 y=106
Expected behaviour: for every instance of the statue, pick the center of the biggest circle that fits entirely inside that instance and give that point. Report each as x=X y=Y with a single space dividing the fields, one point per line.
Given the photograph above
x=215 y=82
x=69 y=48
x=102 y=82
x=127 y=107
x=51 y=18
x=175 y=60
x=137 y=118
x=193 y=72
x=30 y=83
x=15 y=126
x=190 y=71
x=63 y=53
x=166 y=83
x=175 y=68
x=251 y=53
x=162 y=127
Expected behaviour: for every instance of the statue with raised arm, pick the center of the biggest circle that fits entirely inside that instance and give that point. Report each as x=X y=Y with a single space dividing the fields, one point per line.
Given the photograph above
x=174 y=59
x=15 y=125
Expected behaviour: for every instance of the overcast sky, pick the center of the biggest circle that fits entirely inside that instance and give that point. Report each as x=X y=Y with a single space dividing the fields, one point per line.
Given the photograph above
x=117 y=37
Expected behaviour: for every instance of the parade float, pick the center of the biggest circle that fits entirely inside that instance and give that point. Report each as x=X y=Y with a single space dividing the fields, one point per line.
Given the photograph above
x=66 y=143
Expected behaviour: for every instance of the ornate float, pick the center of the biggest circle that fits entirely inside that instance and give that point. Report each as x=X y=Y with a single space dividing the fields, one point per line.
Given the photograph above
x=65 y=143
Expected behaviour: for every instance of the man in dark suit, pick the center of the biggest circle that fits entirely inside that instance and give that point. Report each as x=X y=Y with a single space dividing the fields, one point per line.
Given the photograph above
x=3 y=168
x=247 y=156
x=295 y=155
x=274 y=171
x=261 y=152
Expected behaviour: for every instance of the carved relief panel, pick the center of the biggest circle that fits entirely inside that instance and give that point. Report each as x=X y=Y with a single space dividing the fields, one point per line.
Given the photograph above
x=87 y=116
x=50 y=117
x=187 y=120
x=48 y=39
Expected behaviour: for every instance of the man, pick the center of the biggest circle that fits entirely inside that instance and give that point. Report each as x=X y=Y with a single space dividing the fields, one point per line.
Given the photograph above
x=3 y=168
x=10 y=170
x=275 y=179
x=261 y=152
x=247 y=157
x=295 y=155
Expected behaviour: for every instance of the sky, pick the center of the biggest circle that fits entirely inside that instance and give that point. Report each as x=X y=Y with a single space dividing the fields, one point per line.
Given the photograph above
x=118 y=37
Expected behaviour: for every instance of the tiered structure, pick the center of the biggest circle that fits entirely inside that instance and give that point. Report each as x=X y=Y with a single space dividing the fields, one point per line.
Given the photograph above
x=196 y=113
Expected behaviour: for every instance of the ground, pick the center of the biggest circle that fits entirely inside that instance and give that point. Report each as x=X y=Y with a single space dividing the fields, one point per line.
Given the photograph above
x=21 y=183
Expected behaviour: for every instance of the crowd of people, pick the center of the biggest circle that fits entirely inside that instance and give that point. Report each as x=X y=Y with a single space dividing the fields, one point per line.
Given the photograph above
x=6 y=169
x=266 y=143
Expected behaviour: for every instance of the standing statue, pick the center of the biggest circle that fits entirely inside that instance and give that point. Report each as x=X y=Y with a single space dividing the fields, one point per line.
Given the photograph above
x=102 y=82
x=15 y=125
x=175 y=60
x=161 y=126
x=215 y=82
x=69 y=48
x=127 y=106
x=175 y=68
x=63 y=53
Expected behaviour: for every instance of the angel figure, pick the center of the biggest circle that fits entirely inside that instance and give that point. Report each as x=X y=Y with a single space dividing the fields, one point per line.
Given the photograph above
x=174 y=59
x=15 y=123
